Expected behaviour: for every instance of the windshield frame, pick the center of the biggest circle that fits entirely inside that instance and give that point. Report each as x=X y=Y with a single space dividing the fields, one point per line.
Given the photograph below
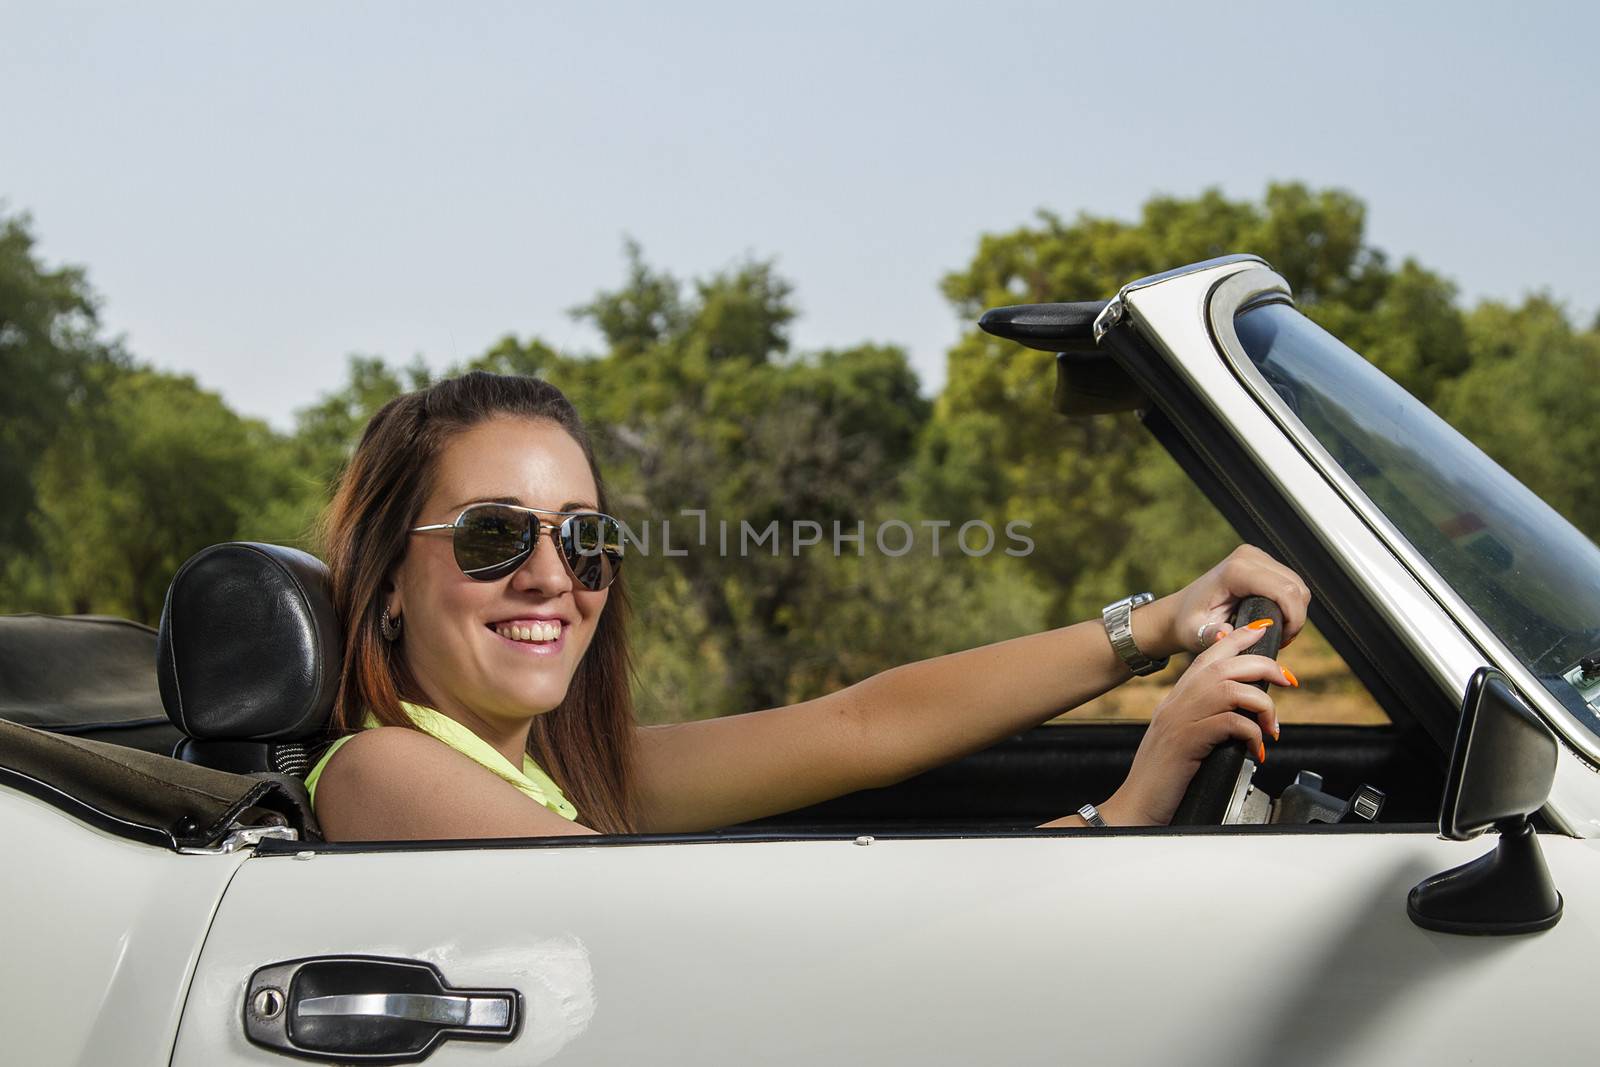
x=1244 y=290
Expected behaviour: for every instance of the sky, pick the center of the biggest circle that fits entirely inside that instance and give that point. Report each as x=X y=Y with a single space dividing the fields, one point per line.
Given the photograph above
x=258 y=191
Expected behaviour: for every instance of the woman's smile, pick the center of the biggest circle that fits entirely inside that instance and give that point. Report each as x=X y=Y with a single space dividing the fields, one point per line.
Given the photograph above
x=532 y=635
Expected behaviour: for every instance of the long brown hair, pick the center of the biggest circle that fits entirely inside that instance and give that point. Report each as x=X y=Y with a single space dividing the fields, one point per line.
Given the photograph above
x=586 y=742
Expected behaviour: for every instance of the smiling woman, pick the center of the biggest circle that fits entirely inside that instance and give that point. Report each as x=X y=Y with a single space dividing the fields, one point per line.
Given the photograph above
x=485 y=687
x=491 y=656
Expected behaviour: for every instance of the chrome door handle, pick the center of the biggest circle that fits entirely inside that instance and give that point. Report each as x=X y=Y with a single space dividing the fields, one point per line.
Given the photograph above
x=476 y=1013
x=370 y=1009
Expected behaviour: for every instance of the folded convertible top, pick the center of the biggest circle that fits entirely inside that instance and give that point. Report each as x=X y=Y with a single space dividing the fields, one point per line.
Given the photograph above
x=88 y=675
x=144 y=796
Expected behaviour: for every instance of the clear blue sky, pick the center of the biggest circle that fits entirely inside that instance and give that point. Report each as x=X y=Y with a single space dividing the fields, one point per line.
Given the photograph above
x=259 y=190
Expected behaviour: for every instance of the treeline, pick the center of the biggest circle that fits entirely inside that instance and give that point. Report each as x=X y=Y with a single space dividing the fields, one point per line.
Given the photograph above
x=114 y=472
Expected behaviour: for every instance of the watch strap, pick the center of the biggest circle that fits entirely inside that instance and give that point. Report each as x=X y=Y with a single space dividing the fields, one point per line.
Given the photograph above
x=1118 y=619
x=1091 y=815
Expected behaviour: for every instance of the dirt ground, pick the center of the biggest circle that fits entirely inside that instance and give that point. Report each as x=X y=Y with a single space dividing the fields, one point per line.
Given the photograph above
x=1328 y=692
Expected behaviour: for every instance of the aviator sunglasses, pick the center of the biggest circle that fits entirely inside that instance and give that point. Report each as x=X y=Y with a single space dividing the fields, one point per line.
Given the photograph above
x=492 y=540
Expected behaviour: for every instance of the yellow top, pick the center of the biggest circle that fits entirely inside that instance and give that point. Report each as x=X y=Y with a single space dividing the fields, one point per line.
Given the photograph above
x=531 y=781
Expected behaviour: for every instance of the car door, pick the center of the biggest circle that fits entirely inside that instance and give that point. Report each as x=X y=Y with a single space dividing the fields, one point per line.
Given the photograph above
x=1237 y=947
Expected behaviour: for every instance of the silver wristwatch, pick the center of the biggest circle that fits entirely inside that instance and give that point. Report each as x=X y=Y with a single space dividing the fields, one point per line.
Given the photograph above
x=1118 y=618
x=1091 y=816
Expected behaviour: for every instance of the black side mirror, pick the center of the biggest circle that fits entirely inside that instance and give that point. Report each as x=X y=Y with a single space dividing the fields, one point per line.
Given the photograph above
x=1501 y=771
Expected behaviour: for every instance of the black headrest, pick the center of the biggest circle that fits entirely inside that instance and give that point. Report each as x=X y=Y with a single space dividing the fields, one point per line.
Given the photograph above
x=249 y=645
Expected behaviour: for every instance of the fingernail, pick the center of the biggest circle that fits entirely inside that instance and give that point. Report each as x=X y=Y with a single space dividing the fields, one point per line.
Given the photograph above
x=1261 y=747
x=1259 y=624
x=1274 y=731
x=1287 y=673
x=1220 y=635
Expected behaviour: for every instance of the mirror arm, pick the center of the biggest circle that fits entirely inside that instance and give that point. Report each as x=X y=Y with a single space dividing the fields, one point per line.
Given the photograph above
x=1506 y=891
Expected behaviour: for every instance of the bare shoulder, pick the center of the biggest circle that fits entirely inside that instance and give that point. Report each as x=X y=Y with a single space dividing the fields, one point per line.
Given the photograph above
x=365 y=782
x=393 y=783
x=372 y=754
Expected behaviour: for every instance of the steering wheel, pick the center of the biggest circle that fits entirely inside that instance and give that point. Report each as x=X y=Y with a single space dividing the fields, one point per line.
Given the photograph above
x=1210 y=790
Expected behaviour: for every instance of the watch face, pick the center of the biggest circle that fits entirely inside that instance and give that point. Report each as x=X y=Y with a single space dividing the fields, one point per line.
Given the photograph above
x=1130 y=602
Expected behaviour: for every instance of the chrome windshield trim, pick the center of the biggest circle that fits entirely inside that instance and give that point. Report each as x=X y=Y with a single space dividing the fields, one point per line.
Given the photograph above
x=1113 y=312
x=1227 y=298
x=1172 y=318
x=1193 y=268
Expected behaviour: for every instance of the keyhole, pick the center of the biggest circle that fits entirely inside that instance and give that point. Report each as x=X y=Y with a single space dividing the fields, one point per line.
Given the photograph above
x=269 y=1002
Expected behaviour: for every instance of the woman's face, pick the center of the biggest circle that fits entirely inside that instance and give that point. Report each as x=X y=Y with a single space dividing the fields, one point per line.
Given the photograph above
x=460 y=635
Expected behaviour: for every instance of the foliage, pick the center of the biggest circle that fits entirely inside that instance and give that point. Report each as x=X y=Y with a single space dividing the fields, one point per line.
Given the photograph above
x=1529 y=398
x=47 y=343
x=117 y=472
x=325 y=436
x=699 y=407
x=155 y=469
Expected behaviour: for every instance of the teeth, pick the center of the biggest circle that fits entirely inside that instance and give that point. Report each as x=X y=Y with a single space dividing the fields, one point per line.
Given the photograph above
x=538 y=631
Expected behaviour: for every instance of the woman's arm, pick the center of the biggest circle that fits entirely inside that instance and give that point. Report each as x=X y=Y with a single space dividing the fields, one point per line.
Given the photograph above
x=699 y=775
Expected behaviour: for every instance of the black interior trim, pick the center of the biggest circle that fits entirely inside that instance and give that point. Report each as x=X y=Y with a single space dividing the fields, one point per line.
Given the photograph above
x=146 y=735
x=1094 y=383
x=1049 y=771
x=97 y=729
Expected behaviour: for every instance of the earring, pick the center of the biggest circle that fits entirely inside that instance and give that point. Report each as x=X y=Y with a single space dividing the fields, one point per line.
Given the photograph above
x=390 y=628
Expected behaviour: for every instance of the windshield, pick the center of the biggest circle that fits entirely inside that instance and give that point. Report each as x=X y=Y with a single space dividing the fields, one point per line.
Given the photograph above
x=1530 y=575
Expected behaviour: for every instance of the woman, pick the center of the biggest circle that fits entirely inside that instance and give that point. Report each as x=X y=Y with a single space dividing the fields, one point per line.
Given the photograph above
x=485 y=687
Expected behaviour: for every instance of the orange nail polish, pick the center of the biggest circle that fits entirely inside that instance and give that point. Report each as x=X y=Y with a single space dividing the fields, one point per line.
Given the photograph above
x=1259 y=624
x=1287 y=673
x=1274 y=732
x=1261 y=746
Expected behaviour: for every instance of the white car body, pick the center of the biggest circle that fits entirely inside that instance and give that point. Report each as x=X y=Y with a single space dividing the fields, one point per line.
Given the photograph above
x=1235 y=945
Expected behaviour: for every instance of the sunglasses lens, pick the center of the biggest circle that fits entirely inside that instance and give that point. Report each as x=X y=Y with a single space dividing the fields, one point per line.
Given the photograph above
x=592 y=544
x=491 y=541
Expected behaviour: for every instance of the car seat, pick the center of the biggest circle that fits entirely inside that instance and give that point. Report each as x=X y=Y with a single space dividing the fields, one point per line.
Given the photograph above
x=248 y=658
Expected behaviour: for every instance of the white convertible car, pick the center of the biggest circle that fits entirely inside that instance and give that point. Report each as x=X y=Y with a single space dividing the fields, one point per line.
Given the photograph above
x=184 y=911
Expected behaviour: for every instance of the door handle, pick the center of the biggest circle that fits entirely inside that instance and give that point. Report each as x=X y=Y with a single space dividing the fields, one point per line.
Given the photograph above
x=475 y=1013
x=370 y=1009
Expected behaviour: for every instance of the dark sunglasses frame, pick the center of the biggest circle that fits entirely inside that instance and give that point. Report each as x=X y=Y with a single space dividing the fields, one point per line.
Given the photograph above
x=563 y=534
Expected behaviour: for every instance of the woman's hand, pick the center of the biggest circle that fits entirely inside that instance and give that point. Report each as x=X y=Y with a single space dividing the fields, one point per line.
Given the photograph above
x=1197 y=715
x=1195 y=614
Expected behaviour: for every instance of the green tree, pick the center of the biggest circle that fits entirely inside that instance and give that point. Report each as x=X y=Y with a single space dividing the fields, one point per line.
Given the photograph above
x=326 y=433
x=48 y=341
x=700 y=405
x=138 y=482
x=1529 y=397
